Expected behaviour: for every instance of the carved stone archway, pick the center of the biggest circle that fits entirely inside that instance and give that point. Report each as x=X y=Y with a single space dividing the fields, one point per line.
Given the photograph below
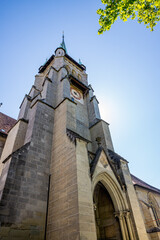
x=118 y=203
x=107 y=225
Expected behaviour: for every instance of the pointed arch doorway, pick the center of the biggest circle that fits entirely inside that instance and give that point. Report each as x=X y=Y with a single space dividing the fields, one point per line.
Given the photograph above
x=107 y=225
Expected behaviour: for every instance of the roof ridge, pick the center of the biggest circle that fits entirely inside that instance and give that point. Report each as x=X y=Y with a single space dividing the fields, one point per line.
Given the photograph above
x=7 y=116
x=143 y=184
x=6 y=123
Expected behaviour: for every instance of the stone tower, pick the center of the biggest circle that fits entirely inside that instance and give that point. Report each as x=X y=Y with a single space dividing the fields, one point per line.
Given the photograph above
x=61 y=178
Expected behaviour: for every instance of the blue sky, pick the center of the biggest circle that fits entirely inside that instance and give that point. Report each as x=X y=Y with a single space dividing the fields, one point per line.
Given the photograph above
x=122 y=66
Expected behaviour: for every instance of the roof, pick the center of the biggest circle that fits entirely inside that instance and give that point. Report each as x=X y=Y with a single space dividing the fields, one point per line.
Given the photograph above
x=43 y=67
x=81 y=66
x=114 y=156
x=138 y=182
x=6 y=123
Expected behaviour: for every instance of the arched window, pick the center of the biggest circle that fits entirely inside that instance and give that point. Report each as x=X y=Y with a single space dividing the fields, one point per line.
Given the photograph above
x=73 y=72
x=155 y=208
x=79 y=77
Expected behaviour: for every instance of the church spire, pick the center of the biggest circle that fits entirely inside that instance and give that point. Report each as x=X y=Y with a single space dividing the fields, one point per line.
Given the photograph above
x=63 y=45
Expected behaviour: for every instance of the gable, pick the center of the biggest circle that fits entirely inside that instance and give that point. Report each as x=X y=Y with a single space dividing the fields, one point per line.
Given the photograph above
x=103 y=162
x=100 y=161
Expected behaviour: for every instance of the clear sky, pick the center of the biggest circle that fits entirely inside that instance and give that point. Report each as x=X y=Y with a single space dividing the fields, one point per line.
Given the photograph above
x=122 y=66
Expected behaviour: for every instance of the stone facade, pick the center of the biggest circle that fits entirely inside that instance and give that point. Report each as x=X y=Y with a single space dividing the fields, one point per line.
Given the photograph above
x=2 y=142
x=61 y=178
x=149 y=201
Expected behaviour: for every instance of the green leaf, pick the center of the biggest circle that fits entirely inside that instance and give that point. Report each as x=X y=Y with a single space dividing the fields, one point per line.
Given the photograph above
x=146 y=11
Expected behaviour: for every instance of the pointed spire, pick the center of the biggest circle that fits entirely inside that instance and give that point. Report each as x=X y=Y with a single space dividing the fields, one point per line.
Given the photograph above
x=80 y=61
x=63 y=45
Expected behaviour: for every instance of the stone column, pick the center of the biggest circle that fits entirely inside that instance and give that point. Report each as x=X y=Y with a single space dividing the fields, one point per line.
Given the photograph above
x=127 y=215
x=120 y=215
x=125 y=225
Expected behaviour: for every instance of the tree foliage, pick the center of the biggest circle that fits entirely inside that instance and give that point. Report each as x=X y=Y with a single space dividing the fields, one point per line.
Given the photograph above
x=146 y=11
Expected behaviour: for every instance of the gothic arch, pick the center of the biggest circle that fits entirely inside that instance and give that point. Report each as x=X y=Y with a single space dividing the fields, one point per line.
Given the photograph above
x=79 y=77
x=154 y=207
x=119 y=203
x=107 y=225
x=115 y=192
x=74 y=73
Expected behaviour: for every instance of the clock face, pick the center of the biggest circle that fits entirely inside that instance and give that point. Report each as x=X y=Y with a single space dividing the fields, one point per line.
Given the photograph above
x=76 y=94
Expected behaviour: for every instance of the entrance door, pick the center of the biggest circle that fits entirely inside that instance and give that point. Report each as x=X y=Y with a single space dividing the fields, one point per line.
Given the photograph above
x=107 y=224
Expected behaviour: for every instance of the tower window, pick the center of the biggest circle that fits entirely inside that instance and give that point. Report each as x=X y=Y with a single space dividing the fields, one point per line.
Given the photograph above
x=79 y=77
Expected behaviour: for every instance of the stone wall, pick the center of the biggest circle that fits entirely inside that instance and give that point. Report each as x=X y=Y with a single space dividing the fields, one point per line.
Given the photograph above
x=15 y=139
x=63 y=199
x=70 y=200
x=148 y=214
x=2 y=142
x=101 y=129
x=25 y=191
x=133 y=203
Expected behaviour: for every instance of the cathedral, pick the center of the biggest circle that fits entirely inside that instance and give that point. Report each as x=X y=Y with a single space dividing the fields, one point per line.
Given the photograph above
x=60 y=177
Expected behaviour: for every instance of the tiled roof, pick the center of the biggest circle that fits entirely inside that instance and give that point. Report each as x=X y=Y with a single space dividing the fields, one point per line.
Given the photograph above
x=6 y=123
x=139 y=182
